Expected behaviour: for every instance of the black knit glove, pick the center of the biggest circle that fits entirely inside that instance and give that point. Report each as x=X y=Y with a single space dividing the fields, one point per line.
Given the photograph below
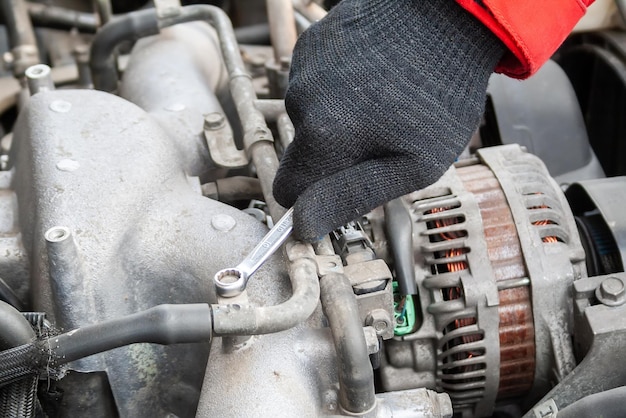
x=384 y=96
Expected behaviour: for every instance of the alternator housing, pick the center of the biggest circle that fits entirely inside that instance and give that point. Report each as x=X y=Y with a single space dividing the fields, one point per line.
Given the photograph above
x=496 y=250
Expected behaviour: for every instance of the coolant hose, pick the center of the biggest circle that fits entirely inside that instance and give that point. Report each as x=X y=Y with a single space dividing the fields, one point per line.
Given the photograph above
x=17 y=400
x=163 y=324
x=399 y=228
x=14 y=328
x=356 y=378
x=128 y=27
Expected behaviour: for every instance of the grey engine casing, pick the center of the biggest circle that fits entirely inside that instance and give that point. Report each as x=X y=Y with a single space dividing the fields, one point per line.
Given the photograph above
x=103 y=168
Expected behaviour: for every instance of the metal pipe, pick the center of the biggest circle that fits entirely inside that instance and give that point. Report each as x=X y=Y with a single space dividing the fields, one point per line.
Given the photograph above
x=53 y=16
x=21 y=35
x=310 y=10
x=39 y=78
x=356 y=378
x=104 y=10
x=282 y=23
x=67 y=272
x=235 y=319
x=286 y=130
x=258 y=140
x=271 y=108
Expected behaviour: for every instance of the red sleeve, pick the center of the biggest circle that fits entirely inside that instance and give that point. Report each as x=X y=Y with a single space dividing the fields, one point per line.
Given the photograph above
x=531 y=29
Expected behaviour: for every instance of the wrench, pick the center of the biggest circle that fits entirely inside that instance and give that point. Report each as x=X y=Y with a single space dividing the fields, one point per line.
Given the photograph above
x=232 y=281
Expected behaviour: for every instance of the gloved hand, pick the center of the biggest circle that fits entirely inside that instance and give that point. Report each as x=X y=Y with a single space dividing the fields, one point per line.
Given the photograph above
x=384 y=95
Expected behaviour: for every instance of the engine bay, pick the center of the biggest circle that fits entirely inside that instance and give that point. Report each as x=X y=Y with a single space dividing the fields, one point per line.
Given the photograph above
x=140 y=143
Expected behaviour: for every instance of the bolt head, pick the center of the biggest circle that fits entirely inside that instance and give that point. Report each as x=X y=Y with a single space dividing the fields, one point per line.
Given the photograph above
x=213 y=121
x=379 y=319
x=612 y=291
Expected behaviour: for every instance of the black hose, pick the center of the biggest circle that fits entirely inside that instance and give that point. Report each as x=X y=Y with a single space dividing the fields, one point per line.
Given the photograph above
x=19 y=362
x=607 y=404
x=17 y=399
x=14 y=328
x=231 y=189
x=128 y=27
x=399 y=227
x=163 y=324
x=356 y=378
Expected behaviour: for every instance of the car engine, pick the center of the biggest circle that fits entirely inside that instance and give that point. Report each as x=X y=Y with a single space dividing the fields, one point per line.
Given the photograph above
x=140 y=143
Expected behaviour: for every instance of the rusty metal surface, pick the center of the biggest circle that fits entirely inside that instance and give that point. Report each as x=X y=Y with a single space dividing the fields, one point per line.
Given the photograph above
x=516 y=330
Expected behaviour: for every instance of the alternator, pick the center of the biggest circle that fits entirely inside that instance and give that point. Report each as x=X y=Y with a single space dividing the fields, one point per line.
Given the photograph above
x=496 y=250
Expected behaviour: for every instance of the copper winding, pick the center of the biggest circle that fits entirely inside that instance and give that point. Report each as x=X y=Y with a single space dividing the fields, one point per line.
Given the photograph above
x=516 y=329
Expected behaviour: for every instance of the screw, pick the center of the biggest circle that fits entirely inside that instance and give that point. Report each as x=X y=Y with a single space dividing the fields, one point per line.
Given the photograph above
x=213 y=121
x=379 y=319
x=611 y=292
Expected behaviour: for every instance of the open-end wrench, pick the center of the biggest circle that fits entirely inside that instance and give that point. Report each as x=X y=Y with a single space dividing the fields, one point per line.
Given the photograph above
x=232 y=281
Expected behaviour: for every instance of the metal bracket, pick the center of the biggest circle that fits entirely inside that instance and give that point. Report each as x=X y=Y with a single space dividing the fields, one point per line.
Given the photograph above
x=219 y=139
x=167 y=8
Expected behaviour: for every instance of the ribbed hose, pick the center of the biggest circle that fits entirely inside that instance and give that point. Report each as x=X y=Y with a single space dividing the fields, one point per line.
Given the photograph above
x=18 y=400
x=19 y=362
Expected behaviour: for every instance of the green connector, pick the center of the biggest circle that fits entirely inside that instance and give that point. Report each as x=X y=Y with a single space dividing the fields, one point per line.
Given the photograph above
x=403 y=313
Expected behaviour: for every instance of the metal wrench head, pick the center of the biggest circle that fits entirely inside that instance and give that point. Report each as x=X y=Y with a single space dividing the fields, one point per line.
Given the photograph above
x=230 y=282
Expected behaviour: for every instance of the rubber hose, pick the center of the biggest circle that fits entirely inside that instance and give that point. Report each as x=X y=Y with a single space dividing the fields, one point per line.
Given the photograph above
x=163 y=324
x=399 y=228
x=17 y=399
x=18 y=362
x=128 y=27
